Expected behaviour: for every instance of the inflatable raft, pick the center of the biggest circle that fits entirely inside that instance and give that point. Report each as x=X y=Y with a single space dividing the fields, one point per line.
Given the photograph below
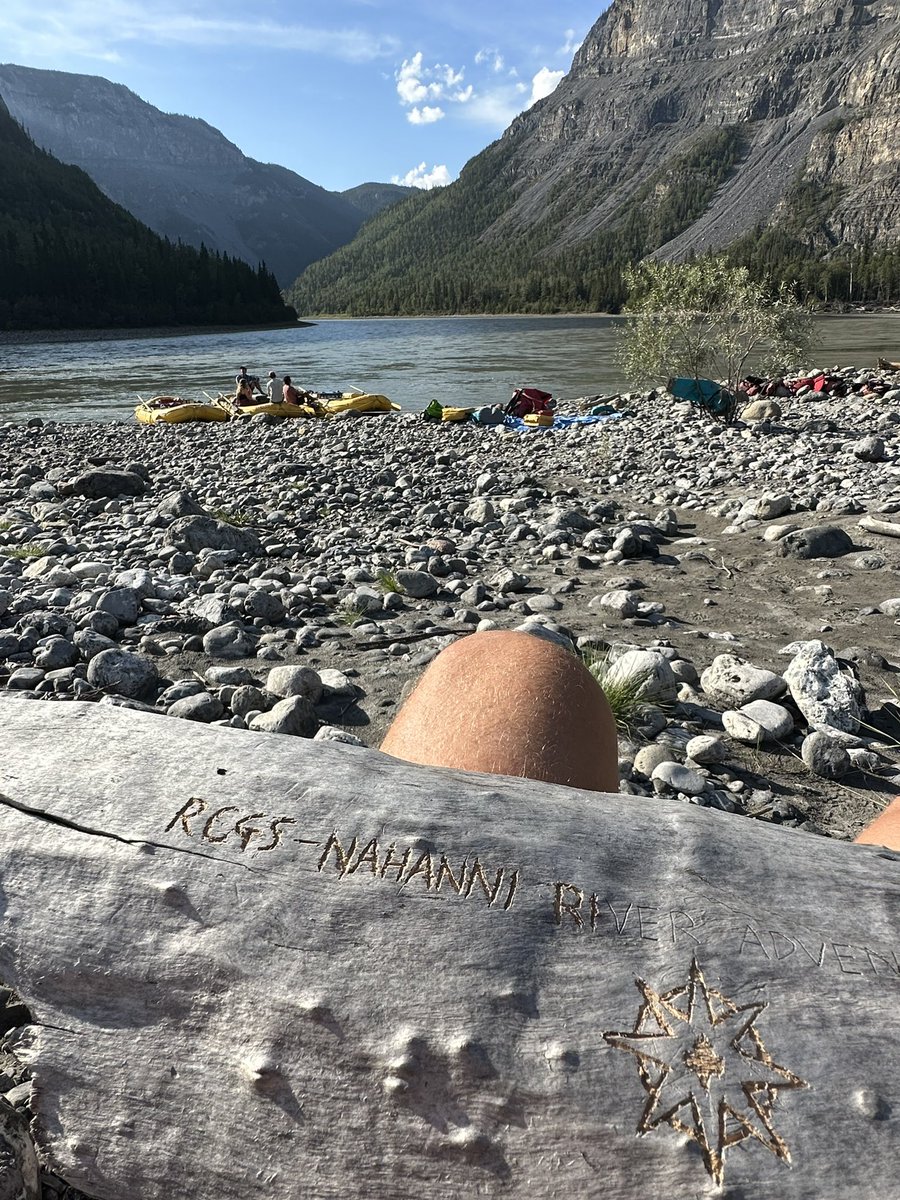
x=361 y=402
x=278 y=409
x=173 y=410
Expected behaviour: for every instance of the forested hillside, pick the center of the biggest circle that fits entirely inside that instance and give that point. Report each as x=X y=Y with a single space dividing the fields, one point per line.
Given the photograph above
x=70 y=258
x=429 y=254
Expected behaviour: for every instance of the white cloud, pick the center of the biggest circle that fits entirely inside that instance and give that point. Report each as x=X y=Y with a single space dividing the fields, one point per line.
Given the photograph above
x=496 y=97
x=410 y=87
x=421 y=177
x=416 y=83
x=544 y=82
x=494 y=57
x=424 y=115
x=450 y=77
x=104 y=31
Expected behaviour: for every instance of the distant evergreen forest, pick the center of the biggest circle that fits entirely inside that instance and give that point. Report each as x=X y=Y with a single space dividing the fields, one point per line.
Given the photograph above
x=430 y=254
x=71 y=258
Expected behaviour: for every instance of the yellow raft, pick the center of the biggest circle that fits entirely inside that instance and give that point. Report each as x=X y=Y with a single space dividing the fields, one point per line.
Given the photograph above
x=361 y=402
x=173 y=410
x=278 y=409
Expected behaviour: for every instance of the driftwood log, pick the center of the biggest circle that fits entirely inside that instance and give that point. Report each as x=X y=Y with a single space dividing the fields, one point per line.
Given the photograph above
x=885 y=528
x=261 y=966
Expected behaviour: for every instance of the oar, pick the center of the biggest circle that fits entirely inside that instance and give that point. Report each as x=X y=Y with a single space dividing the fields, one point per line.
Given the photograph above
x=221 y=401
x=354 y=388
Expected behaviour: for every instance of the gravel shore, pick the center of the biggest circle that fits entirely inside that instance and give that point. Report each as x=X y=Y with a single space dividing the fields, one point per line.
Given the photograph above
x=296 y=577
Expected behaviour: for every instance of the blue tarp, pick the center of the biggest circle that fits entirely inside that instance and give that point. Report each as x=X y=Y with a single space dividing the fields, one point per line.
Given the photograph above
x=519 y=426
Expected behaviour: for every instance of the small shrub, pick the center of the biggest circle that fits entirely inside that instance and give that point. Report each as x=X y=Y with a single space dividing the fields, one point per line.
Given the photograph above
x=709 y=319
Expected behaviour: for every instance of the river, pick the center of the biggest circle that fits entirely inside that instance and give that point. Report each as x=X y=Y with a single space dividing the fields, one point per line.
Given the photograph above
x=458 y=360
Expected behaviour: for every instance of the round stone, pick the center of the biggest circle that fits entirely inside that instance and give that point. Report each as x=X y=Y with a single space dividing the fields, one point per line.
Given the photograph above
x=824 y=756
x=648 y=758
x=123 y=673
x=295 y=681
x=679 y=779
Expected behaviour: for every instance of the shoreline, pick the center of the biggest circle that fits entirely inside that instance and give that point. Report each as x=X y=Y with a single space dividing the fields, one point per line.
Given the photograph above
x=13 y=337
x=861 y=311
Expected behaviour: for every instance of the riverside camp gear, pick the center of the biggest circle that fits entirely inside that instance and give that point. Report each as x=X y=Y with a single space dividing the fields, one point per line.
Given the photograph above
x=529 y=400
x=707 y=395
x=489 y=414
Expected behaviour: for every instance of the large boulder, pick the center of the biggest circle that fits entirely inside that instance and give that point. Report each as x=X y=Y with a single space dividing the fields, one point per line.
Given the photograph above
x=123 y=673
x=104 y=484
x=730 y=680
x=826 y=695
x=761 y=410
x=820 y=541
x=179 y=504
x=196 y=533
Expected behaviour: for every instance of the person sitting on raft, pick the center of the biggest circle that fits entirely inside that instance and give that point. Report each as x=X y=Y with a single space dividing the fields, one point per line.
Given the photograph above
x=274 y=390
x=243 y=395
x=251 y=380
x=292 y=395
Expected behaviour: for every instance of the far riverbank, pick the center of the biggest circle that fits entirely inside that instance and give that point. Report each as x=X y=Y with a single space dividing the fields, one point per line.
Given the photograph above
x=16 y=337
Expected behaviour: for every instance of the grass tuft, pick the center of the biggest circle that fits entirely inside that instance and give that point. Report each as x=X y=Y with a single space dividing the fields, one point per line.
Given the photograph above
x=28 y=551
x=387 y=581
x=233 y=516
x=627 y=694
x=348 y=614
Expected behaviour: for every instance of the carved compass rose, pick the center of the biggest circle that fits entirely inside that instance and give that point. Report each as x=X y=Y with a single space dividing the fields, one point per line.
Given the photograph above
x=705 y=1069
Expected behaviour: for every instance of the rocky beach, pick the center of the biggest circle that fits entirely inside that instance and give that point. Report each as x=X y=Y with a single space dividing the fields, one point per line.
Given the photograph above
x=296 y=577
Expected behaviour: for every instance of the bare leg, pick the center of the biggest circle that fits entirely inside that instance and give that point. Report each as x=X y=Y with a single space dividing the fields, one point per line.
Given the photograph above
x=885 y=829
x=510 y=704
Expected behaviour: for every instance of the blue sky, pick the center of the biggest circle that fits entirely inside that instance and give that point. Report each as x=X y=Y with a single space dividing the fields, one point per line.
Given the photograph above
x=341 y=91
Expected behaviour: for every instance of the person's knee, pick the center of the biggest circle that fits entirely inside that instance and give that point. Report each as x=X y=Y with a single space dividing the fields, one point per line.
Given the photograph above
x=507 y=702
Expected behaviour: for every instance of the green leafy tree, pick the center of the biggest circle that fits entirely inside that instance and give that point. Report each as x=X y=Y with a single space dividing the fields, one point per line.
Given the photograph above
x=709 y=319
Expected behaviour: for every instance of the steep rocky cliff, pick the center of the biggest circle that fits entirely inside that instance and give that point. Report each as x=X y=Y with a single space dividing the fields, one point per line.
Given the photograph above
x=682 y=126
x=813 y=86
x=178 y=174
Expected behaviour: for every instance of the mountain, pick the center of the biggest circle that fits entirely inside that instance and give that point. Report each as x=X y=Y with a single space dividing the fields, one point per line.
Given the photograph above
x=71 y=258
x=372 y=198
x=181 y=176
x=768 y=126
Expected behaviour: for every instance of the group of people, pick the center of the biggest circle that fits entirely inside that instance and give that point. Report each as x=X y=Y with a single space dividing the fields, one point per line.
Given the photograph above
x=248 y=387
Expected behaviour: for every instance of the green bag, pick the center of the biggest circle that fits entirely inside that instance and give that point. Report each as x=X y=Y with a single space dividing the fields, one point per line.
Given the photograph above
x=434 y=411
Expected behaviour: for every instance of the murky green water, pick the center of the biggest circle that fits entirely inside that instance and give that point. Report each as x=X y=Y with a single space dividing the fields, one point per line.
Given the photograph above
x=459 y=360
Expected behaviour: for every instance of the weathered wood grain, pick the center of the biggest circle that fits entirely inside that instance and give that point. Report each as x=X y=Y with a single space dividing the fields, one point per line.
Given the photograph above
x=265 y=966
